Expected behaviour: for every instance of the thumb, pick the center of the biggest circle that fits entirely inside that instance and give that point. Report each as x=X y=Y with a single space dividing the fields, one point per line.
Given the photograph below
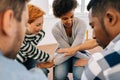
x=66 y=54
x=59 y=50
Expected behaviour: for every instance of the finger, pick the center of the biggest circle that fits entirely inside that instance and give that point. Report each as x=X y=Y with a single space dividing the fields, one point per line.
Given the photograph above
x=82 y=62
x=61 y=50
x=53 y=58
x=66 y=54
x=43 y=66
x=28 y=25
x=76 y=64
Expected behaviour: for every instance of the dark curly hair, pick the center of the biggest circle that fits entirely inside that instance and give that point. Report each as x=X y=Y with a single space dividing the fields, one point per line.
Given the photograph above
x=61 y=7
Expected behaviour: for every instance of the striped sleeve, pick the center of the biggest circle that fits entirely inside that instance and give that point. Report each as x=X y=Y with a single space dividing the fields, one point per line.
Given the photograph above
x=27 y=49
x=20 y=57
x=35 y=38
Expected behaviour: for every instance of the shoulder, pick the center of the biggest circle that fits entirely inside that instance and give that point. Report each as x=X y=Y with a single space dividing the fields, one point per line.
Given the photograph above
x=17 y=71
x=117 y=46
x=96 y=56
x=79 y=23
x=10 y=66
x=57 y=27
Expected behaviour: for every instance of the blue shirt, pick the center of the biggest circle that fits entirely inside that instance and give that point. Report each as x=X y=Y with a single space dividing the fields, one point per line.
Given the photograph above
x=104 y=65
x=12 y=70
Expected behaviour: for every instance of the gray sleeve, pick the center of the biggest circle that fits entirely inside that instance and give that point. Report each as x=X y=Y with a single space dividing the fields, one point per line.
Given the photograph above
x=79 y=33
x=79 y=37
x=59 y=58
x=57 y=35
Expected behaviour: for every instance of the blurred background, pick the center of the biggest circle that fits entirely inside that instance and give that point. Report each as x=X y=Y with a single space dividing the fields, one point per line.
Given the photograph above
x=50 y=20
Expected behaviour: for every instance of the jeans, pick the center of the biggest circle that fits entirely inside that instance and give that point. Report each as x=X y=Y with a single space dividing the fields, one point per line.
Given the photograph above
x=31 y=63
x=61 y=71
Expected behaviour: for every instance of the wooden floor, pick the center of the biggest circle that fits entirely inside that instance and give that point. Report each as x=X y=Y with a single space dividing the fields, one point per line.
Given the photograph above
x=50 y=48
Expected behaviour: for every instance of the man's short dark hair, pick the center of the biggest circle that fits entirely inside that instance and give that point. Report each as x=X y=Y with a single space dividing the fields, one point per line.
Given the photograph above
x=61 y=7
x=16 y=5
x=101 y=6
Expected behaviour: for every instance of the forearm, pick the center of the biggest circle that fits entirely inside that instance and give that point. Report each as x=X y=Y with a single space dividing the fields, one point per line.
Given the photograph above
x=35 y=38
x=60 y=58
x=87 y=45
x=41 y=56
x=39 y=37
x=33 y=52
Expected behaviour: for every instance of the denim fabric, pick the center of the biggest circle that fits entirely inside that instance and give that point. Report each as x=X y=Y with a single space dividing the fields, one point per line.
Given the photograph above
x=61 y=71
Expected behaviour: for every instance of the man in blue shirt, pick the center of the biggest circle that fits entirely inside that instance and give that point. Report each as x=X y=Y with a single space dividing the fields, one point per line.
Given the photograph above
x=104 y=17
x=13 y=17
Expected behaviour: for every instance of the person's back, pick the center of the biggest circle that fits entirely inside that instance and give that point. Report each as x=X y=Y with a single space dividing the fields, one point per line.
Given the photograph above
x=13 y=18
x=12 y=70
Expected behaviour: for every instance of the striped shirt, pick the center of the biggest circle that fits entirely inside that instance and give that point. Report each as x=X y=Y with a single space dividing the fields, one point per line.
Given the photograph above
x=105 y=65
x=29 y=49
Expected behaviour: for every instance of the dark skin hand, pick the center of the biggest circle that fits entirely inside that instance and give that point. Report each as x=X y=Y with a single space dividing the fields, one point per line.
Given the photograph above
x=45 y=64
x=81 y=62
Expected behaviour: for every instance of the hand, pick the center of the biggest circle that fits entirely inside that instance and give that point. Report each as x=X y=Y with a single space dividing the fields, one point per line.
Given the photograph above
x=81 y=62
x=29 y=29
x=45 y=64
x=67 y=51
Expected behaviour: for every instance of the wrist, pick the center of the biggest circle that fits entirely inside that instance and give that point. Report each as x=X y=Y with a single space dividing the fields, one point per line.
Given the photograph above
x=28 y=32
x=50 y=59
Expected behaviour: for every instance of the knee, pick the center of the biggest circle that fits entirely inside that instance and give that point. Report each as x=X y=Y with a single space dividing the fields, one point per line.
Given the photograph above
x=77 y=73
x=77 y=77
x=59 y=76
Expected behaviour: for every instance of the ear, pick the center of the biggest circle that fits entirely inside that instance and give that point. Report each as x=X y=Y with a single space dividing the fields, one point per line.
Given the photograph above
x=7 y=22
x=110 y=18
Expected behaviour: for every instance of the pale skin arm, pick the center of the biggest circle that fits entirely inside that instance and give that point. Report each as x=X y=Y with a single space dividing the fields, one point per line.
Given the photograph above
x=89 y=44
x=28 y=29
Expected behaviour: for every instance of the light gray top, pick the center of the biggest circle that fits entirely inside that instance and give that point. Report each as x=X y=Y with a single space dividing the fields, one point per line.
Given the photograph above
x=78 y=37
x=78 y=33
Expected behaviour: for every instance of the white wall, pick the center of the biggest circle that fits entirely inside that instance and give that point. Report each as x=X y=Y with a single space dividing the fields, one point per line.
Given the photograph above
x=43 y=4
x=49 y=22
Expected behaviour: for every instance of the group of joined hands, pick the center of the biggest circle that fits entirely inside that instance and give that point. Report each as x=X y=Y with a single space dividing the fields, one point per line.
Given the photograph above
x=66 y=52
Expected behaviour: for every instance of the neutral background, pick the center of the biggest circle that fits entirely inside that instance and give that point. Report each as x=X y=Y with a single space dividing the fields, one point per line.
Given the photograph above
x=50 y=20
